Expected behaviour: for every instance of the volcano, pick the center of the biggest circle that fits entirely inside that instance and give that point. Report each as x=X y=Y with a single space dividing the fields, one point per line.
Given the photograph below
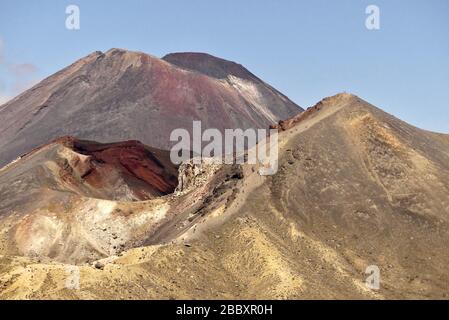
x=122 y=95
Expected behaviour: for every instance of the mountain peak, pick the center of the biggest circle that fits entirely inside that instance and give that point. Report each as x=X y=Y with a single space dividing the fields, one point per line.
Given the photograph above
x=210 y=65
x=338 y=100
x=339 y=97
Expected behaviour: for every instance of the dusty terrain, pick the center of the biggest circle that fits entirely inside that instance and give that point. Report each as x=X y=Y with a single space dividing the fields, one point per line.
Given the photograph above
x=355 y=187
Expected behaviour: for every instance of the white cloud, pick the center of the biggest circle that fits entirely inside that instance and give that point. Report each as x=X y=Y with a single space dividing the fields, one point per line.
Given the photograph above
x=18 y=76
x=23 y=69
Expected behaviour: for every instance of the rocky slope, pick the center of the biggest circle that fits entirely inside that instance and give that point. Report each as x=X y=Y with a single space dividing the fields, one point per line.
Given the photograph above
x=123 y=95
x=355 y=187
x=77 y=201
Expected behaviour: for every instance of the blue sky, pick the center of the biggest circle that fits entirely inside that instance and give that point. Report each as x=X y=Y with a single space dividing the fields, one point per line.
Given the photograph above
x=306 y=49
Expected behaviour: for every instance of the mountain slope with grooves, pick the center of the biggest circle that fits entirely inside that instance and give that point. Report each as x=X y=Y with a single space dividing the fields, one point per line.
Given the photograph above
x=123 y=95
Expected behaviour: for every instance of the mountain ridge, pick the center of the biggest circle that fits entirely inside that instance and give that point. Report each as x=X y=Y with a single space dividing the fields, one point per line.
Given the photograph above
x=356 y=187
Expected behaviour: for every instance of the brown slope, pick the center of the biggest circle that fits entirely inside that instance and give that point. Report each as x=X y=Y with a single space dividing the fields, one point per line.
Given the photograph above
x=355 y=187
x=122 y=95
x=126 y=171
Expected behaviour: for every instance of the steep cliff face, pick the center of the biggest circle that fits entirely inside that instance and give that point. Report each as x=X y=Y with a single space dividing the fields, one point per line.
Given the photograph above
x=122 y=95
x=194 y=175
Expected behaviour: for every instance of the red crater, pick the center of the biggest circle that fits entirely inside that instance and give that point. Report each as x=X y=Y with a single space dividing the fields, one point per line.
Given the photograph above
x=145 y=172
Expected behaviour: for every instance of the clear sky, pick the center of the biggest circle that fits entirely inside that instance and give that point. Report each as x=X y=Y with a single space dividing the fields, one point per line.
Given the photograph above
x=306 y=49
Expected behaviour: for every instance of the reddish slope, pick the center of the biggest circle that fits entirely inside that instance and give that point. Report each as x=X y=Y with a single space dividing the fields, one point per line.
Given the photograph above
x=118 y=171
x=121 y=95
x=151 y=170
